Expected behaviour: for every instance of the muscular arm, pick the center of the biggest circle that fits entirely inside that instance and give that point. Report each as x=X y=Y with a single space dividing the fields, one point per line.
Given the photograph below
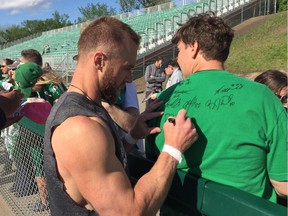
x=87 y=163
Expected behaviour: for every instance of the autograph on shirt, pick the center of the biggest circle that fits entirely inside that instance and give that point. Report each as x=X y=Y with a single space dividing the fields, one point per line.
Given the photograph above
x=223 y=96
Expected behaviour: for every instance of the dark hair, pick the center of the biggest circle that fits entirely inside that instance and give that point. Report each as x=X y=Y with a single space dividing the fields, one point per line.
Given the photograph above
x=106 y=32
x=158 y=58
x=8 y=61
x=213 y=35
x=274 y=79
x=174 y=62
x=32 y=55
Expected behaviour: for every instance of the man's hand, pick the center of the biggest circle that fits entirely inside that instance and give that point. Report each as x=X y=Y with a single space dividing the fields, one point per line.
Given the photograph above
x=140 y=129
x=180 y=132
x=10 y=101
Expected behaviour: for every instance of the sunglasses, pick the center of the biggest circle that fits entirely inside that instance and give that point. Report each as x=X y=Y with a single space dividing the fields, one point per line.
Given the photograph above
x=283 y=98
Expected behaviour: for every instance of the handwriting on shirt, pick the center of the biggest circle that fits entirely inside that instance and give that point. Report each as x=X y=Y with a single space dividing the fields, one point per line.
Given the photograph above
x=224 y=96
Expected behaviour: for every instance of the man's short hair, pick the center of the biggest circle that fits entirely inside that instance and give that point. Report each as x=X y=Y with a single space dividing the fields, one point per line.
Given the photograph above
x=108 y=33
x=159 y=58
x=32 y=55
x=212 y=33
x=172 y=62
x=8 y=61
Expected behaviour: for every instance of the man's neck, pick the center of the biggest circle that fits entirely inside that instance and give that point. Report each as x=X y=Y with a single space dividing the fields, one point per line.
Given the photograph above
x=209 y=65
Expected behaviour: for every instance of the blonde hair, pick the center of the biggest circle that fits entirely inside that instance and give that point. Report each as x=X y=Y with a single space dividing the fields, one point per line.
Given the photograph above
x=49 y=77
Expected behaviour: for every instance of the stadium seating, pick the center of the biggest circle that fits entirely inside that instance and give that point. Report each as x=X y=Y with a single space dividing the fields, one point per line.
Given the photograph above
x=155 y=27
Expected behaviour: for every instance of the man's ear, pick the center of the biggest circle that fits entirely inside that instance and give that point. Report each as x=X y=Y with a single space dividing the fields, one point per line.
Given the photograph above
x=195 y=49
x=99 y=60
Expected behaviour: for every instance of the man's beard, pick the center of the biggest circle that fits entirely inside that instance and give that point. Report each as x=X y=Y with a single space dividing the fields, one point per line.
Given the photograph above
x=108 y=87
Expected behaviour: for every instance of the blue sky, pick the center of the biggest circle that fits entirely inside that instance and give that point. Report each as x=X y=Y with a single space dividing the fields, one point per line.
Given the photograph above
x=16 y=11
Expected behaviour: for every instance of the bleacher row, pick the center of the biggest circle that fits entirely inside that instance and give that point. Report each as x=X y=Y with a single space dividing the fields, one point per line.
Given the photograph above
x=156 y=28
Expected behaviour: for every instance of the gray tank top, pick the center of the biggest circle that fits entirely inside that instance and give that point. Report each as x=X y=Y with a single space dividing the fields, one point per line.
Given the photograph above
x=72 y=104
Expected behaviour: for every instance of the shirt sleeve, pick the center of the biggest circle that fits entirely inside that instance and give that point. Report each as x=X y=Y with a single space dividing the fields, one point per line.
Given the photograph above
x=277 y=155
x=130 y=98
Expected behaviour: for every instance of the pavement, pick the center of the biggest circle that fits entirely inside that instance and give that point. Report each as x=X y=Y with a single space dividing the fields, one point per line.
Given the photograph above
x=5 y=209
x=141 y=96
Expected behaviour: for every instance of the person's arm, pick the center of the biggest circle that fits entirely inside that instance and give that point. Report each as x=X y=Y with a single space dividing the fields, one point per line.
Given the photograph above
x=124 y=118
x=11 y=120
x=10 y=101
x=148 y=75
x=280 y=187
x=98 y=175
x=160 y=78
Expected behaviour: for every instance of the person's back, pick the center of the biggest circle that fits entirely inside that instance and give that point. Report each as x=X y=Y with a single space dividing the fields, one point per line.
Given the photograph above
x=241 y=124
x=235 y=126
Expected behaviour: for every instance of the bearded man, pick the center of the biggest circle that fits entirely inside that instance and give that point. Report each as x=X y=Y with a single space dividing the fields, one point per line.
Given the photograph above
x=84 y=159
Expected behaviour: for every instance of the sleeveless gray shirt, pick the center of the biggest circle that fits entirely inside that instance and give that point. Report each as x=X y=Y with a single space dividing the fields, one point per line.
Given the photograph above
x=72 y=104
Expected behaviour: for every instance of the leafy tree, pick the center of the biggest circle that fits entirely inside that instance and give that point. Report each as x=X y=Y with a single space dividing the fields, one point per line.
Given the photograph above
x=150 y=3
x=95 y=10
x=60 y=20
x=129 y=5
x=29 y=27
x=15 y=32
x=33 y=26
x=282 y=5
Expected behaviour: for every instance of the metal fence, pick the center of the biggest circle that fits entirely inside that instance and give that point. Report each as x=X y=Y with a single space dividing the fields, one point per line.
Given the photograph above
x=22 y=180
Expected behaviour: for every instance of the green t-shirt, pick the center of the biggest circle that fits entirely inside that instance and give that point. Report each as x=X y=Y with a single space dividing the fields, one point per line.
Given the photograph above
x=241 y=126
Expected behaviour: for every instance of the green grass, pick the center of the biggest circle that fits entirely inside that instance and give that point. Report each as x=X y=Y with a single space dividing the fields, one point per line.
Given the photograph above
x=261 y=48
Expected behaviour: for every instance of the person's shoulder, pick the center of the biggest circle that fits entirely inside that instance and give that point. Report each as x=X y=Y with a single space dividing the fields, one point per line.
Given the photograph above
x=79 y=128
x=83 y=123
x=150 y=66
x=131 y=85
x=167 y=93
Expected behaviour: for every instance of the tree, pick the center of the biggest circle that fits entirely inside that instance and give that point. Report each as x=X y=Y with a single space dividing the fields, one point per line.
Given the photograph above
x=129 y=5
x=282 y=5
x=60 y=20
x=30 y=27
x=91 y=11
x=14 y=32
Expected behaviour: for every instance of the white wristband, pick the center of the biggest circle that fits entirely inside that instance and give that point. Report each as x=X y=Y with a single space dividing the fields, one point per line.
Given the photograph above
x=173 y=152
x=129 y=139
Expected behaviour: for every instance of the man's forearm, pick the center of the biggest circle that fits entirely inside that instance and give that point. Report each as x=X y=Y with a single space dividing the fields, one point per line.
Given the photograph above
x=155 y=184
